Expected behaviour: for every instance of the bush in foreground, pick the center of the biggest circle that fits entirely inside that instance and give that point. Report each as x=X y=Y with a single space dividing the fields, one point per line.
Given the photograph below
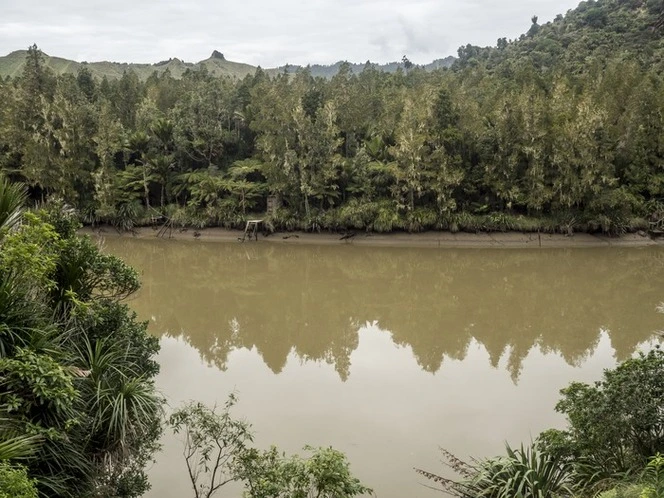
x=612 y=445
x=217 y=452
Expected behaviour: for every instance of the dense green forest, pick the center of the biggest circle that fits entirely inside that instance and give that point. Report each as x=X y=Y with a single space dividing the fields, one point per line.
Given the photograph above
x=559 y=130
x=79 y=413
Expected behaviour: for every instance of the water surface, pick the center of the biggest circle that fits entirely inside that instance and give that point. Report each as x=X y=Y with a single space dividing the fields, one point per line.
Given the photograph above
x=387 y=353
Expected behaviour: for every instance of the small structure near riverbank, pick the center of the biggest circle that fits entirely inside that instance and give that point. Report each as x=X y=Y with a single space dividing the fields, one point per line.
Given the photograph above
x=251 y=229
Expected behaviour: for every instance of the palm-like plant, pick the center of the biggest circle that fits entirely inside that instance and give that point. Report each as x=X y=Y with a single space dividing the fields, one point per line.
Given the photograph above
x=13 y=444
x=12 y=199
x=653 y=477
x=123 y=404
x=522 y=473
x=22 y=319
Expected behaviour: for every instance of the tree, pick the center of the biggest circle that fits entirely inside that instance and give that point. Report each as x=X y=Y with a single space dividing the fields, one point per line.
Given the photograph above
x=216 y=452
x=203 y=120
x=615 y=425
x=271 y=117
x=214 y=443
x=316 y=153
x=109 y=141
x=410 y=153
x=28 y=134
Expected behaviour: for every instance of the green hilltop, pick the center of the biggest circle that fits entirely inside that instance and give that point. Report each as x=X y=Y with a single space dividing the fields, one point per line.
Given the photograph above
x=12 y=64
x=589 y=35
x=217 y=65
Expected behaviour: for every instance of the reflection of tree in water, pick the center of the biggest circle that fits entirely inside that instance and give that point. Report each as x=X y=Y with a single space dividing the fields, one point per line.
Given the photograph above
x=312 y=301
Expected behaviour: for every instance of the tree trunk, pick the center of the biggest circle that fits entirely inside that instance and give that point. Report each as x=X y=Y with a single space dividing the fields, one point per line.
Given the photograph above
x=146 y=189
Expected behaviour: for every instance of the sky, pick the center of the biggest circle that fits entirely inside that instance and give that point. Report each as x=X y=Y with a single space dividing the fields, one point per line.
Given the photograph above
x=263 y=32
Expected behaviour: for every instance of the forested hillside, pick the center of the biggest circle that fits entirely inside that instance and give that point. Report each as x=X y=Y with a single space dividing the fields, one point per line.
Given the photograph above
x=560 y=130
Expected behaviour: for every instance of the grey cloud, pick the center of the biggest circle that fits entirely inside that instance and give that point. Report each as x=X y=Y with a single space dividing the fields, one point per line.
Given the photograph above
x=268 y=33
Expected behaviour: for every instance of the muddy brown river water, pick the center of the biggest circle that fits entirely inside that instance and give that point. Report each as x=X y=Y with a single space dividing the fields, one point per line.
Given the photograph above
x=387 y=353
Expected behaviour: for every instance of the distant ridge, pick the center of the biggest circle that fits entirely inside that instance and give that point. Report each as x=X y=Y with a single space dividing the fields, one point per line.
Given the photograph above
x=390 y=67
x=12 y=65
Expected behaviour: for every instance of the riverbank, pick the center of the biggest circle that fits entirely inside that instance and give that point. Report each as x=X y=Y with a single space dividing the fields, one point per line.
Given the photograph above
x=425 y=239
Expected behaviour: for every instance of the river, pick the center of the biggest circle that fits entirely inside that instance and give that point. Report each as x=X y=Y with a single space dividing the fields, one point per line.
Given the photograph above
x=387 y=353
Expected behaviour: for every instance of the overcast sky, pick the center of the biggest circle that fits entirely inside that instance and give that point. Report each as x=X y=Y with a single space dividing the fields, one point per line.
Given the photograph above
x=263 y=32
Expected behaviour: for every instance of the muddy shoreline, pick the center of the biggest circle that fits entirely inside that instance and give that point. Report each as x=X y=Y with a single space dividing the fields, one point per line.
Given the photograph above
x=425 y=239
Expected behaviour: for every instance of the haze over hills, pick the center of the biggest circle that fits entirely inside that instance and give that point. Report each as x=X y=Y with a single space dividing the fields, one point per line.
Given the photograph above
x=12 y=64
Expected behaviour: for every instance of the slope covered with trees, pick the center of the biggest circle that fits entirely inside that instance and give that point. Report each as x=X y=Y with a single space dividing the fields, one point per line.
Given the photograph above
x=79 y=414
x=560 y=130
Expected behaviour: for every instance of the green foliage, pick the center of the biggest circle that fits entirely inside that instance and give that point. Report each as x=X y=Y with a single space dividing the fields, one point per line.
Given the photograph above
x=325 y=473
x=623 y=491
x=33 y=249
x=32 y=383
x=12 y=199
x=217 y=452
x=77 y=398
x=653 y=478
x=16 y=447
x=83 y=273
x=522 y=473
x=214 y=443
x=650 y=484
x=615 y=425
x=15 y=483
x=23 y=321
x=558 y=131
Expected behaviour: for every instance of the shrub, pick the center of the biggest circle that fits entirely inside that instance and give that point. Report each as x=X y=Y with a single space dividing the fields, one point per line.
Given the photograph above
x=525 y=473
x=387 y=218
x=217 y=453
x=615 y=425
x=421 y=219
x=15 y=483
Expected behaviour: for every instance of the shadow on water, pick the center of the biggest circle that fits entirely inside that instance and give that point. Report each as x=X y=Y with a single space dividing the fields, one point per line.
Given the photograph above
x=313 y=300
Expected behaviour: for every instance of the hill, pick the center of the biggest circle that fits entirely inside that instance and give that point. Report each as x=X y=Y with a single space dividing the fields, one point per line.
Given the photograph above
x=330 y=70
x=592 y=33
x=12 y=64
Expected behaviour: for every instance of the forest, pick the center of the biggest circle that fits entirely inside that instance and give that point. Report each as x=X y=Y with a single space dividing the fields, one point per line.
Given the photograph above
x=560 y=130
